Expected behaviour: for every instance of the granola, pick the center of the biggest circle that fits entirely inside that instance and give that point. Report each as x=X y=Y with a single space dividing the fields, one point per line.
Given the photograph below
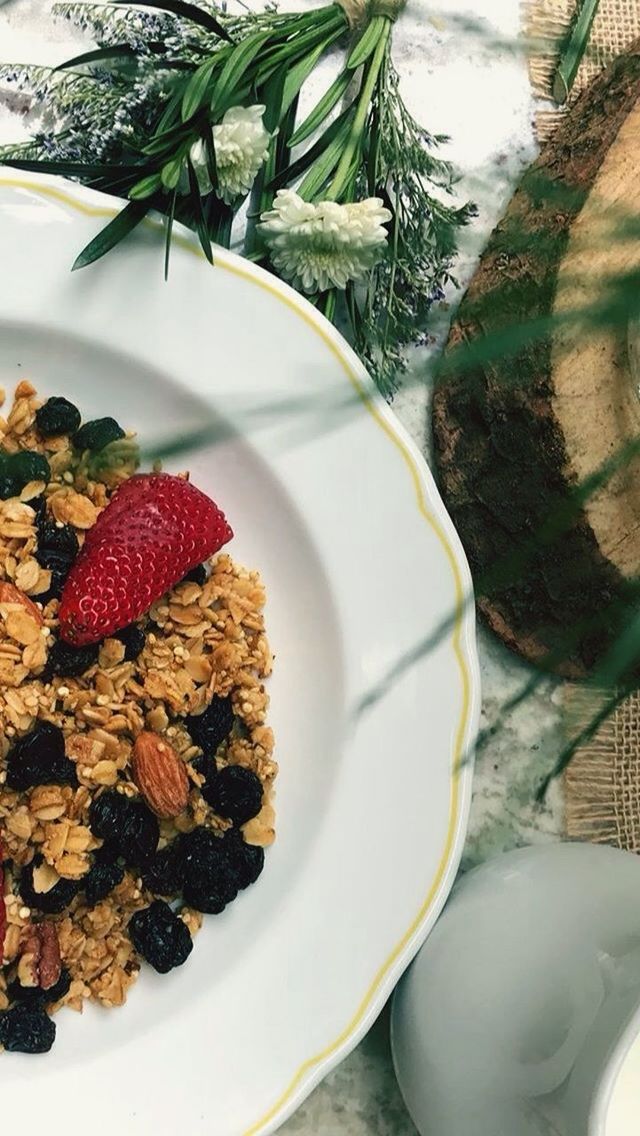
x=202 y=646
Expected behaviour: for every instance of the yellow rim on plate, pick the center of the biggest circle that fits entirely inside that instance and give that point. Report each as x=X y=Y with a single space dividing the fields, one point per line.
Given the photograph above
x=316 y=322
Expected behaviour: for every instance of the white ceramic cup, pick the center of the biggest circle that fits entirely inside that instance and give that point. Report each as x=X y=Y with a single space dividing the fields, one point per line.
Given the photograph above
x=518 y=1013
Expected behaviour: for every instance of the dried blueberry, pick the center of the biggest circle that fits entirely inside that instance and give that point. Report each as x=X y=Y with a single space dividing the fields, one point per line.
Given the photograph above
x=26 y=1029
x=246 y=860
x=38 y=758
x=164 y=874
x=50 y=902
x=134 y=640
x=130 y=827
x=211 y=727
x=197 y=575
x=59 y=540
x=235 y=793
x=57 y=550
x=57 y=416
x=35 y=996
x=160 y=936
x=63 y=659
x=105 y=873
x=17 y=470
x=209 y=879
x=97 y=434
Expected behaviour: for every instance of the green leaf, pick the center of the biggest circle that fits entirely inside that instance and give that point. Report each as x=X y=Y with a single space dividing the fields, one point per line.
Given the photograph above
x=145 y=187
x=573 y=50
x=297 y=75
x=210 y=151
x=366 y=45
x=169 y=230
x=325 y=166
x=71 y=169
x=123 y=224
x=170 y=173
x=186 y=12
x=339 y=128
x=323 y=107
x=202 y=228
x=373 y=153
x=118 y=50
x=236 y=65
x=197 y=89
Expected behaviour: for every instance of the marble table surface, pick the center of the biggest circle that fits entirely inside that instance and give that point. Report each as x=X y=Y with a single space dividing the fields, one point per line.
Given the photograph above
x=464 y=74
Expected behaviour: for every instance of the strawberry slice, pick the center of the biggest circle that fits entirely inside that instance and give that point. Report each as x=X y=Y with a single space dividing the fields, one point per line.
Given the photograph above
x=154 y=530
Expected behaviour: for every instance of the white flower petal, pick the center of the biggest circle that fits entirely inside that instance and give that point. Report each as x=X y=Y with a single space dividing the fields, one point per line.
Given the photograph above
x=324 y=245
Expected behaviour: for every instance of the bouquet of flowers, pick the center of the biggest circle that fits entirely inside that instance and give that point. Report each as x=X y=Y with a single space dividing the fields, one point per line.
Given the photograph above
x=192 y=112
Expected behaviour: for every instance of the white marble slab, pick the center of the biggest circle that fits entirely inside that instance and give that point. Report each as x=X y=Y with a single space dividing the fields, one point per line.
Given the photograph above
x=464 y=75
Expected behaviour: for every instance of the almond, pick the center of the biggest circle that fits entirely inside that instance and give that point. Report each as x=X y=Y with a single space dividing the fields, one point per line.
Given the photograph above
x=9 y=594
x=160 y=775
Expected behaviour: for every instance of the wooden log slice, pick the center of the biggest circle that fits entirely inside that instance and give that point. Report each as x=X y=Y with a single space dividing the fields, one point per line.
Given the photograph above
x=516 y=435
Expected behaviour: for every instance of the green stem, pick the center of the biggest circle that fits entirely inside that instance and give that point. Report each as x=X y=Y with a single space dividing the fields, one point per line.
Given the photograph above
x=343 y=172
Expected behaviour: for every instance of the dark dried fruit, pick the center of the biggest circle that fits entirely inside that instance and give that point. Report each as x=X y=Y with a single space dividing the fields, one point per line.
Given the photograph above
x=134 y=640
x=97 y=434
x=57 y=416
x=50 y=902
x=211 y=727
x=34 y=996
x=57 y=550
x=235 y=793
x=38 y=758
x=26 y=1029
x=164 y=874
x=105 y=873
x=160 y=936
x=246 y=860
x=129 y=826
x=71 y=662
x=17 y=470
x=59 y=540
x=210 y=881
x=197 y=575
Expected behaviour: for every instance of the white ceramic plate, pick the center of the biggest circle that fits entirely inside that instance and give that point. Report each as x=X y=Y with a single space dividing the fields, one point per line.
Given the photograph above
x=329 y=498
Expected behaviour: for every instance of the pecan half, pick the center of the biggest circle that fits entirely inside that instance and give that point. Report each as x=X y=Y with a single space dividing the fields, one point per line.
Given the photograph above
x=39 y=963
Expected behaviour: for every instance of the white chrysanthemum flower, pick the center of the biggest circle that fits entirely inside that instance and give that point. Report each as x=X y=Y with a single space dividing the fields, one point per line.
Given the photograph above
x=324 y=245
x=241 y=144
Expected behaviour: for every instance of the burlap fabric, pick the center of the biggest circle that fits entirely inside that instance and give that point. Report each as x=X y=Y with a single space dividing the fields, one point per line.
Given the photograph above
x=616 y=26
x=603 y=781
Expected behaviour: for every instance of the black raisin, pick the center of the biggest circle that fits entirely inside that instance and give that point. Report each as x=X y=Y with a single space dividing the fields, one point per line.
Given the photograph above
x=235 y=793
x=197 y=575
x=26 y=1029
x=50 y=902
x=71 y=662
x=164 y=874
x=247 y=860
x=130 y=827
x=211 y=727
x=35 y=996
x=160 y=936
x=134 y=640
x=97 y=434
x=209 y=879
x=57 y=416
x=38 y=758
x=105 y=873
